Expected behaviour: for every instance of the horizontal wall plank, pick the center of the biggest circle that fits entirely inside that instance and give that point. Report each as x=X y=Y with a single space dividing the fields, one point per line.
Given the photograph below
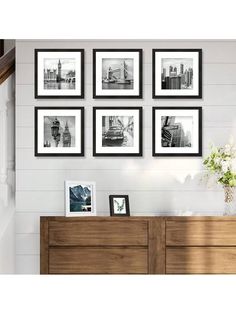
x=25 y=159
x=211 y=51
x=144 y=202
x=27 y=264
x=126 y=179
x=213 y=95
x=27 y=244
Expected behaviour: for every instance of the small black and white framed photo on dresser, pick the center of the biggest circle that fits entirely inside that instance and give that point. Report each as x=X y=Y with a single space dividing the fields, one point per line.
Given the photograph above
x=59 y=73
x=117 y=131
x=80 y=198
x=117 y=73
x=59 y=131
x=119 y=205
x=177 y=73
x=177 y=131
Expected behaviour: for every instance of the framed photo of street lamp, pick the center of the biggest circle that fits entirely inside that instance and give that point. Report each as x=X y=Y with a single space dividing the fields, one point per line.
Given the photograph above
x=117 y=131
x=177 y=131
x=59 y=73
x=177 y=73
x=117 y=73
x=59 y=131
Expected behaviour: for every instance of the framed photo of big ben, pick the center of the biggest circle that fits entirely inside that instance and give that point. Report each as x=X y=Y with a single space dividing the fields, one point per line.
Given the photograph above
x=59 y=131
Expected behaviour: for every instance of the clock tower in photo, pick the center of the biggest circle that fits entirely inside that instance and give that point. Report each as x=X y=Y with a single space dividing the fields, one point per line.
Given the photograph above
x=59 y=71
x=66 y=136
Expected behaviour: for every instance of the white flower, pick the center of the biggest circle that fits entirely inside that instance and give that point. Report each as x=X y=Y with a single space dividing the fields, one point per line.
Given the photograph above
x=225 y=165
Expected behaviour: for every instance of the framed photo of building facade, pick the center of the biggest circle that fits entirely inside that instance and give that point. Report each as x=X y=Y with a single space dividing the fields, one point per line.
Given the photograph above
x=117 y=131
x=59 y=73
x=59 y=131
x=119 y=205
x=177 y=131
x=177 y=73
x=117 y=73
x=80 y=198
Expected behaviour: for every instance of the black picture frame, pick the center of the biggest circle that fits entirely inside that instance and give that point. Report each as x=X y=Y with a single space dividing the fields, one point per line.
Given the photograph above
x=139 y=153
x=111 y=202
x=36 y=93
x=140 y=94
x=37 y=154
x=156 y=154
x=156 y=96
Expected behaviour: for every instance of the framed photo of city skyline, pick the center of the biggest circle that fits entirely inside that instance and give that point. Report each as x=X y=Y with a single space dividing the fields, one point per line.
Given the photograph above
x=59 y=73
x=59 y=131
x=117 y=73
x=80 y=198
x=177 y=131
x=117 y=131
x=177 y=73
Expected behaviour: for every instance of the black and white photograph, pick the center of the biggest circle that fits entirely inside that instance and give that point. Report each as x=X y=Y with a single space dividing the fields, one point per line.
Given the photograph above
x=117 y=131
x=177 y=131
x=59 y=131
x=59 y=73
x=119 y=205
x=80 y=198
x=117 y=73
x=177 y=73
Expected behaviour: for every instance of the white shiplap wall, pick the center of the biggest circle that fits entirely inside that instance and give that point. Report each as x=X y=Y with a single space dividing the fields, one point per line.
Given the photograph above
x=155 y=185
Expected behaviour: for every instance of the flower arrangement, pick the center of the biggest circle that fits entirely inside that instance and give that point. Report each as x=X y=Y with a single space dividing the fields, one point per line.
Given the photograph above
x=221 y=162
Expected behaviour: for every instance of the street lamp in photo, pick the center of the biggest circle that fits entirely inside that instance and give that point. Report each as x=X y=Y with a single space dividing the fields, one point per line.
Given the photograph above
x=55 y=131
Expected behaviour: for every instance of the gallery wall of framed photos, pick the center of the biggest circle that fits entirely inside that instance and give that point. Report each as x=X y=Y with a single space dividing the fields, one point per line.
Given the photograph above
x=156 y=183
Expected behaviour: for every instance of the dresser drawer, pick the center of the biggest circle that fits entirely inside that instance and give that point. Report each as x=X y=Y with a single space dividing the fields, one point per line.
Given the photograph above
x=98 y=260
x=93 y=233
x=200 y=233
x=201 y=260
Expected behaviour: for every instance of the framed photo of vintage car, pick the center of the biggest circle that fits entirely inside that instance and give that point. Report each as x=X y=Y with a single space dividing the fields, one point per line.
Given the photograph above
x=117 y=73
x=177 y=131
x=117 y=131
x=59 y=131
x=59 y=73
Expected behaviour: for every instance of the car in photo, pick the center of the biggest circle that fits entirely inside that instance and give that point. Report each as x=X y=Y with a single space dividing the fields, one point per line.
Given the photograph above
x=114 y=134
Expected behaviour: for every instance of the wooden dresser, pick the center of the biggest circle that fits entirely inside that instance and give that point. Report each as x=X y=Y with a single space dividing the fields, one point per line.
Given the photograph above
x=138 y=245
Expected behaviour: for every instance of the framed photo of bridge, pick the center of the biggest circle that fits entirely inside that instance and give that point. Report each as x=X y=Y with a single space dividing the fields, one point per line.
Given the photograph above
x=177 y=131
x=117 y=73
x=59 y=131
x=177 y=73
x=59 y=73
x=117 y=131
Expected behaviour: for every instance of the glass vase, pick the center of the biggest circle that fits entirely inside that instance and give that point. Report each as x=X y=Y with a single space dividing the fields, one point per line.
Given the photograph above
x=230 y=205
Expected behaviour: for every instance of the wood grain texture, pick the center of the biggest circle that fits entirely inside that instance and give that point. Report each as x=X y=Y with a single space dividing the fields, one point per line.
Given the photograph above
x=201 y=260
x=201 y=233
x=1 y=47
x=43 y=245
x=7 y=65
x=97 y=233
x=156 y=246
x=98 y=260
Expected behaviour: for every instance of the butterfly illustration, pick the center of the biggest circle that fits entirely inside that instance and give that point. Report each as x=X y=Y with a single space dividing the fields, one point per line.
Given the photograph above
x=120 y=207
